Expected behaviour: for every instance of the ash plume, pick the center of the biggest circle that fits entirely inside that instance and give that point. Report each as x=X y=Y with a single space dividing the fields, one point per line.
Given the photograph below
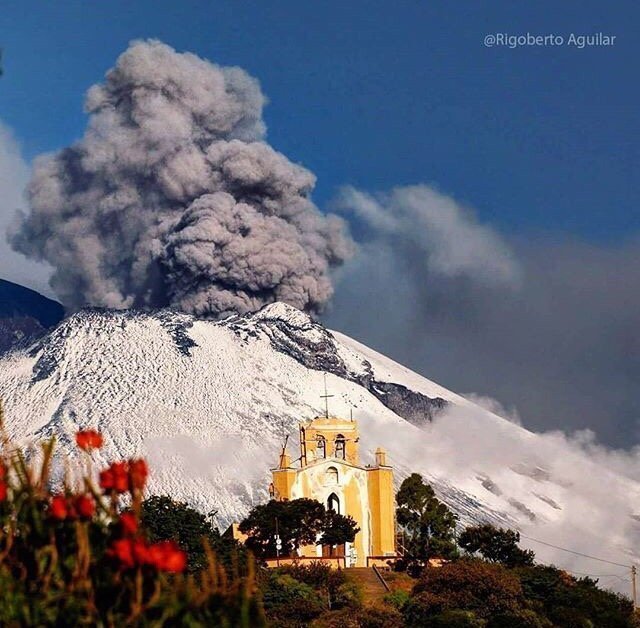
x=173 y=198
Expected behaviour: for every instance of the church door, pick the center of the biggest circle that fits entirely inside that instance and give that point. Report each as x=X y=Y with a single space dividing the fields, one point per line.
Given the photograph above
x=333 y=503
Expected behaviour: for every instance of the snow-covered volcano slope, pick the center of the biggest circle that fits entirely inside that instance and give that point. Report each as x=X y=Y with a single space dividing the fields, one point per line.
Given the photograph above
x=209 y=404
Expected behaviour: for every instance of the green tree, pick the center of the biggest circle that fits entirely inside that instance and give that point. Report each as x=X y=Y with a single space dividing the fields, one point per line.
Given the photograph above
x=497 y=545
x=427 y=523
x=168 y=520
x=338 y=529
x=572 y=602
x=298 y=522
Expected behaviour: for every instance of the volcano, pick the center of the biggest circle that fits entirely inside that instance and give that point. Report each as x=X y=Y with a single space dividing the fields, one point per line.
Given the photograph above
x=209 y=404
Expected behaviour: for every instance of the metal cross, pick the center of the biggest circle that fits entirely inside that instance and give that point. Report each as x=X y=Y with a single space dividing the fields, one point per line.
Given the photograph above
x=326 y=397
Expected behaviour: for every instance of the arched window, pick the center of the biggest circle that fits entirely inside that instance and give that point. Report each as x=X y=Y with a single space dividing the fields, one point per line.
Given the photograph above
x=333 y=503
x=331 y=476
x=340 y=446
x=321 y=447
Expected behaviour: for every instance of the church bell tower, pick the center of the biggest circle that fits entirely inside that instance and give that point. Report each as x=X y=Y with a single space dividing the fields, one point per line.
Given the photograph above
x=329 y=471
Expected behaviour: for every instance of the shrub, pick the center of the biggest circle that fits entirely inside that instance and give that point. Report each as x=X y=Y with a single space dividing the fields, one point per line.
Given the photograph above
x=72 y=556
x=316 y=574
x=348 y=595
x=397 y=598
x=568 y=601
x=322 y=578
x=288 y=601
x=470 y=585
x=448 y=619
x=376 y=617
x=344 y=618
x=519 y=619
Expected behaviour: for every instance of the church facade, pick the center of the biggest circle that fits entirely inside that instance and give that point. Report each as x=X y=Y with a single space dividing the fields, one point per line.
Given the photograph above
x=329 y=471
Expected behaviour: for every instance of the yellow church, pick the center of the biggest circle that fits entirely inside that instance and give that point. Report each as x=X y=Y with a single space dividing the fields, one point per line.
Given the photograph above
x=329 y=471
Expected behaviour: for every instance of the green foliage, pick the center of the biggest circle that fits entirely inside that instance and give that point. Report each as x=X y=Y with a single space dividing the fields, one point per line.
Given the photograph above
x=568 y=601
x=348 y=595
x=298 y=522
x=427 y=523
x=397 y=598
x=455 y=619
x=289 y=602
x=519 y=619
x=482 y=593
x=377 y=617
x=338 y=529
x=470 y=585
x=327 y=581
x=166 y=519
x=316 y=574
x=73 y=558
x=497 y=545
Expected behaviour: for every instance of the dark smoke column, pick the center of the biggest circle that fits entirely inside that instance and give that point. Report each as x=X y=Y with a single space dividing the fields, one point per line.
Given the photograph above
x=173 y=198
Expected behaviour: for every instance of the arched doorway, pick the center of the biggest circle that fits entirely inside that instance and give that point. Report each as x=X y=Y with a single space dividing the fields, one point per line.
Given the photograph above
x=333 y=551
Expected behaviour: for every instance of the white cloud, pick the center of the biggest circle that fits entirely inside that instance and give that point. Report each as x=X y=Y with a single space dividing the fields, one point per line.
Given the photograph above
x=494 y=406
x=14 y=175
x=450 y=242
x=580 y=495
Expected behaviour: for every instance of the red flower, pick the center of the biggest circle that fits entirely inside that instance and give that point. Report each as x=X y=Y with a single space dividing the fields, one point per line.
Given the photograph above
x=138 y=472
x=58 y=508
x=85 y=506
x=164 y=556
x=122 y=549
x=141 y=552
x=115 y=478
x=167 y=556
x=89 y=439
x=128 y=523
x=175 y=562
x=3 y=470
x=3 y=491
x=107 y=481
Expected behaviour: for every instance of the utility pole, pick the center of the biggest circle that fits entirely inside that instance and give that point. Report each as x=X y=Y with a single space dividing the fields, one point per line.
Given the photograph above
x=633 y=586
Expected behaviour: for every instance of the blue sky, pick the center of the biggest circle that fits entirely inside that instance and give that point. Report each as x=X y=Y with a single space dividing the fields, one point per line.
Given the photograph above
x=378 y=94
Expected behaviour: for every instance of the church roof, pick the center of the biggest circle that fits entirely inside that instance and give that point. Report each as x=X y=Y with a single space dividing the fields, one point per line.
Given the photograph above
x=331 y=422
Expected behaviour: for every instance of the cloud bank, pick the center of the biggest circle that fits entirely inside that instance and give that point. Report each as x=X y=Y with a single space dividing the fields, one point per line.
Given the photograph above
x=579 y=495
x=554 y=335
x=173 y=198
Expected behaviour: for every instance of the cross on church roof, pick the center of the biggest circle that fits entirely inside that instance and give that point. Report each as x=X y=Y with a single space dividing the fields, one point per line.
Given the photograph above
x=326 y=397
